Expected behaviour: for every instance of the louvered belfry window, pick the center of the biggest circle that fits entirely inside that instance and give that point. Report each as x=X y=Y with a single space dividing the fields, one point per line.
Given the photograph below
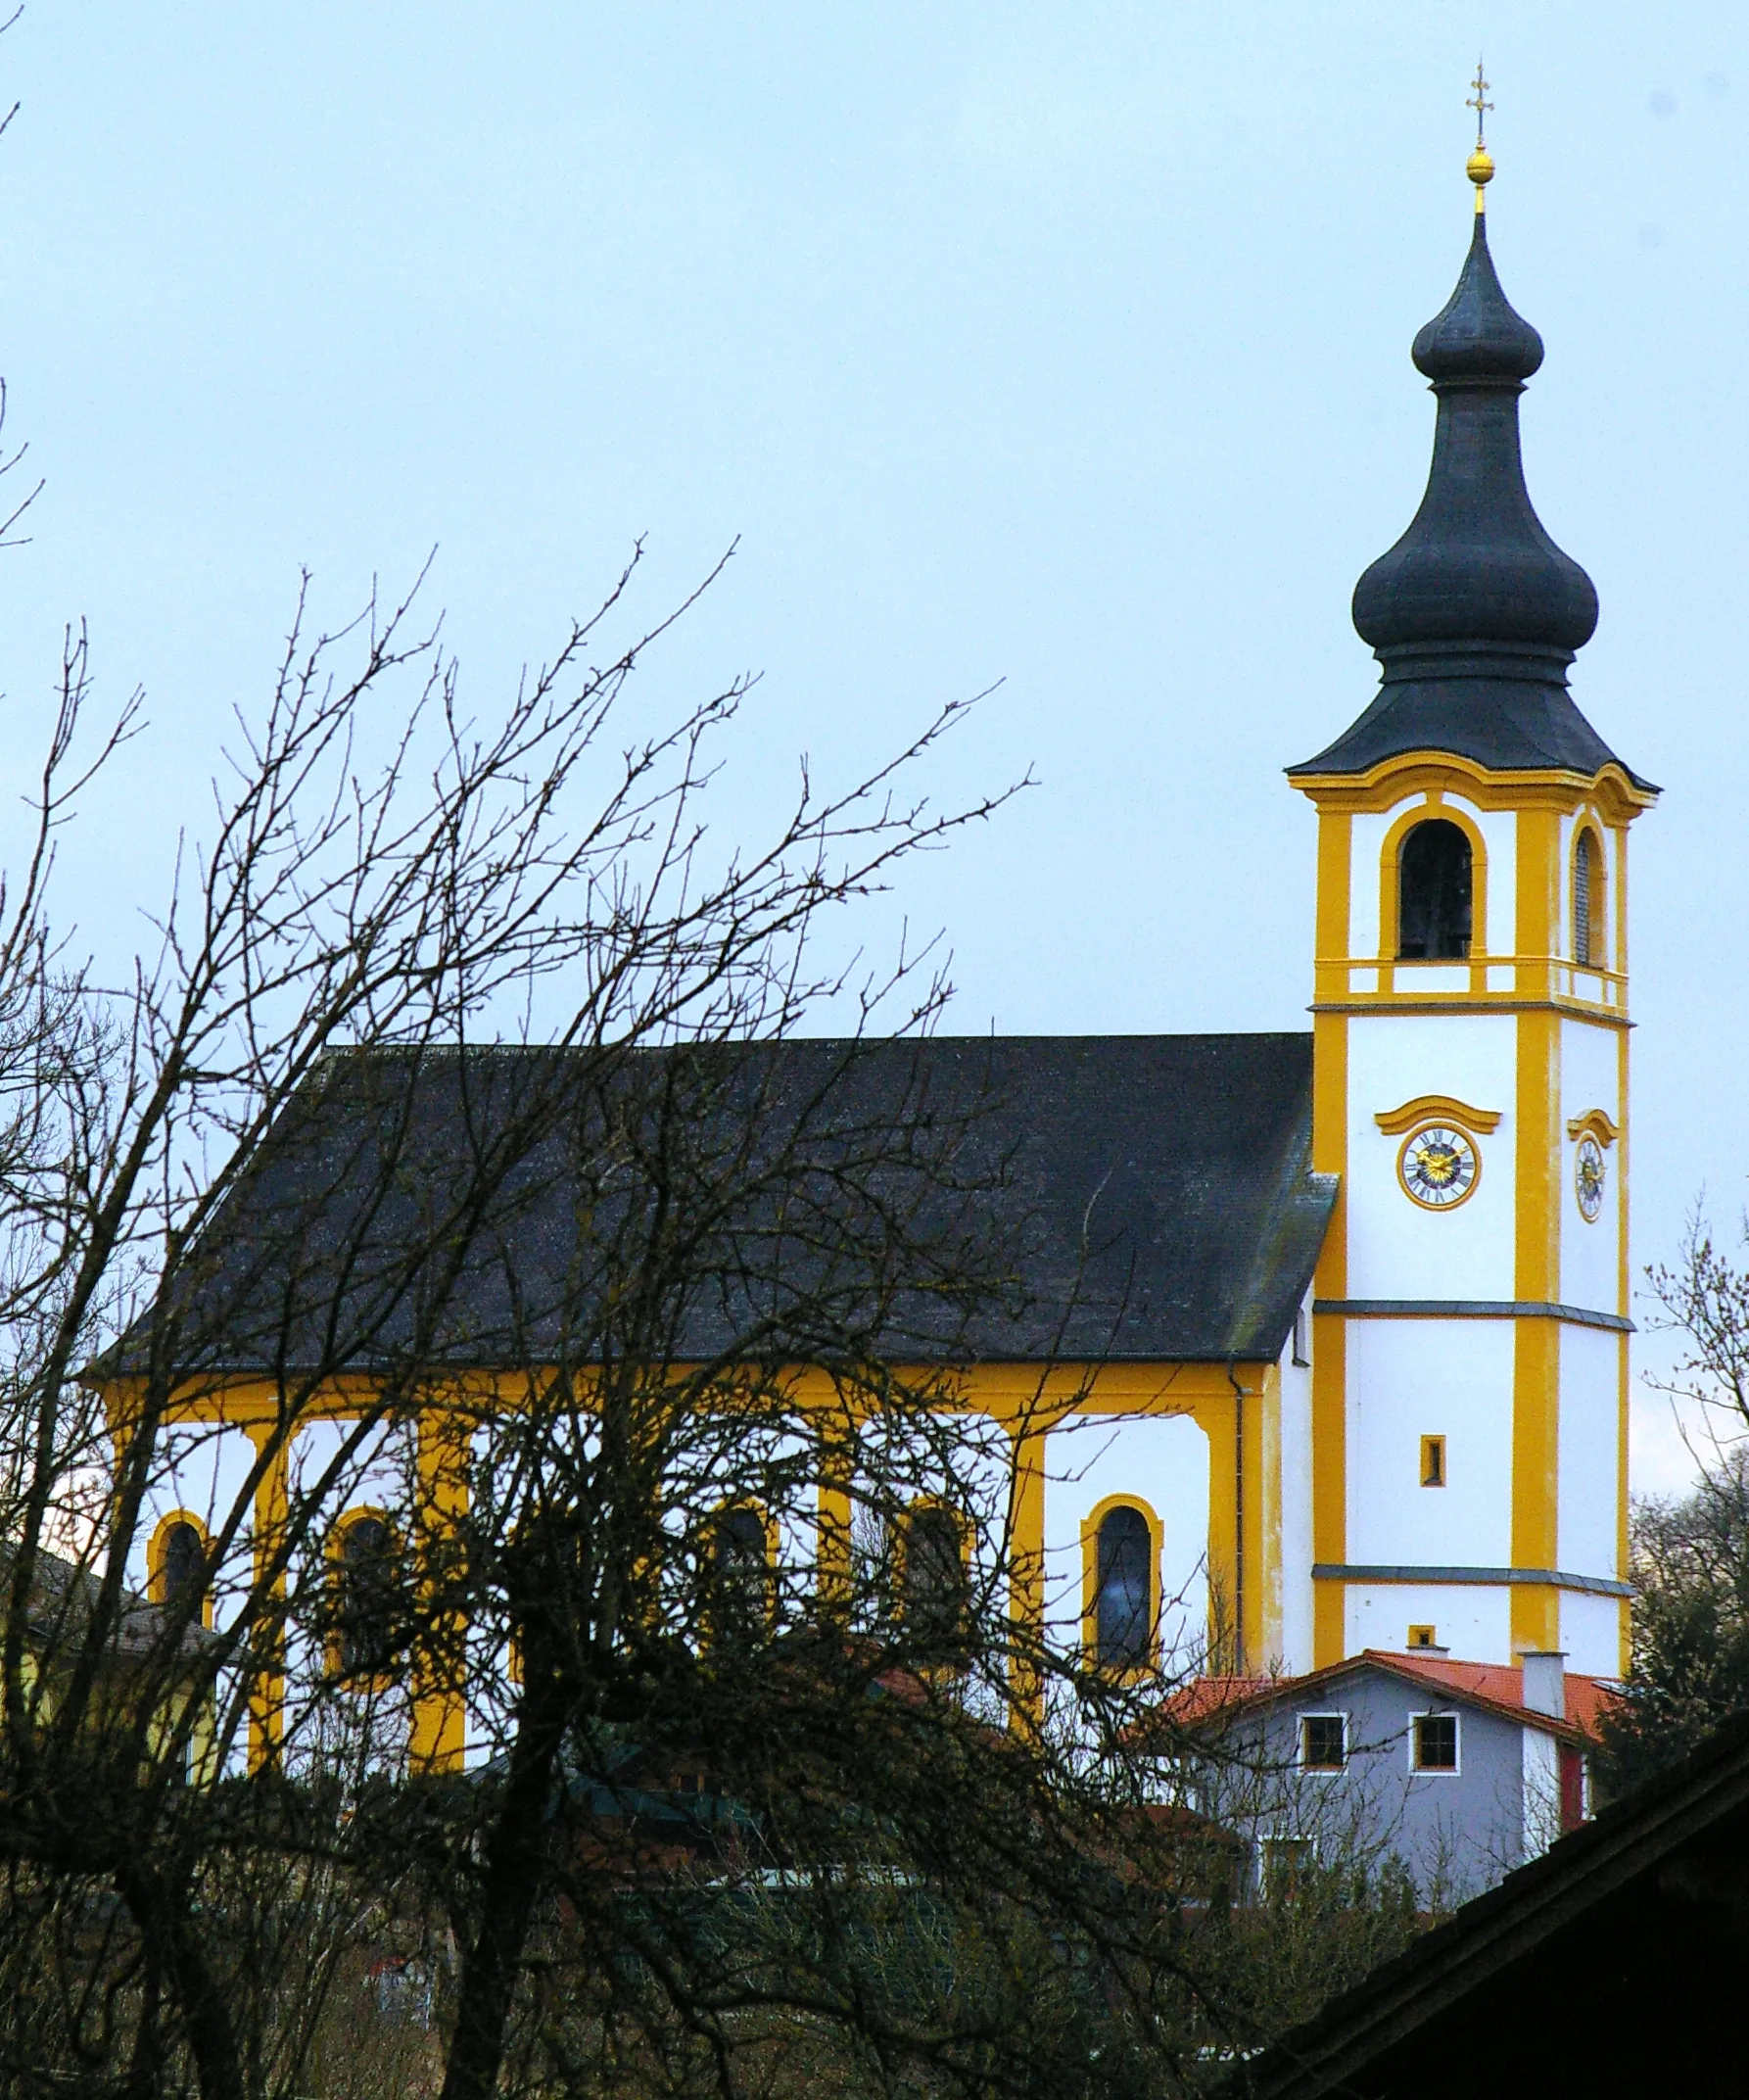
x=1587 y=939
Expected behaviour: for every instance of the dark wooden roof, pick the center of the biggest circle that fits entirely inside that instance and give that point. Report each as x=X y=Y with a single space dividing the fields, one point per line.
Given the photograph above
x=1141 y=1197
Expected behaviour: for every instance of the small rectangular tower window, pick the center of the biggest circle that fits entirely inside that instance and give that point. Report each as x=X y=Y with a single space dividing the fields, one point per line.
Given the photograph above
x=1434 y=1745
x=1324 y=1742
x=1432 y=1462
x=1424 y=1636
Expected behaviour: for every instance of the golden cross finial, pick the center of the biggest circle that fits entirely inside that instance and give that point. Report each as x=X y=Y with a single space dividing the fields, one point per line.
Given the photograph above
x=1480 y=167
x=1476 y=102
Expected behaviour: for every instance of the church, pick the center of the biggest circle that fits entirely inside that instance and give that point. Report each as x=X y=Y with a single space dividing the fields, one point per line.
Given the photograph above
x=1331 y=1327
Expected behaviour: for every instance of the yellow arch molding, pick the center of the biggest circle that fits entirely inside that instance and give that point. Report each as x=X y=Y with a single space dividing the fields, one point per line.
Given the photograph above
x=1593 y=1123
x=1436 y=1108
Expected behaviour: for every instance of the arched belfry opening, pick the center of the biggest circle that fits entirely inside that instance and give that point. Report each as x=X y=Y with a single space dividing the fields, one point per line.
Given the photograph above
x=1587 y=899
x=1433 y=881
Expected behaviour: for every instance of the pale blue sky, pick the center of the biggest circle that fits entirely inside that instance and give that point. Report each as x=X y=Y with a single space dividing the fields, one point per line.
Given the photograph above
x=1066 y=346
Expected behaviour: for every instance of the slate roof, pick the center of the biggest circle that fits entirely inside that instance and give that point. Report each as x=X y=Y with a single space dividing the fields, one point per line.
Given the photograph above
x=1144 y=1198
x=1475 y=613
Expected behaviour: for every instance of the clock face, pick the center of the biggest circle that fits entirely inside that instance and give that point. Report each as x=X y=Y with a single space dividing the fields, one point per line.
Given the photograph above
x=1438 y=1165
x=1590 y=1174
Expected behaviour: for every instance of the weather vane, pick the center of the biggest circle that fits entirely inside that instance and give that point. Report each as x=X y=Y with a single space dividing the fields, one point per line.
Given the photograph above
x=1480 y=167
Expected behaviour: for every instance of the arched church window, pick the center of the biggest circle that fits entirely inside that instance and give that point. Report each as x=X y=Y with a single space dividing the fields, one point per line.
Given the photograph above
x=367 y=1614
x=1433 y=893
x=1125 y=1601
x=180 y=1569
x=743 y=1570
x=935 y=1592
x=1587 y=899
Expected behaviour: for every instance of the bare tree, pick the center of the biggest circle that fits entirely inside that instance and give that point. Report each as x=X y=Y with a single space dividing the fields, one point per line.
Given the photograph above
x=608 y=1660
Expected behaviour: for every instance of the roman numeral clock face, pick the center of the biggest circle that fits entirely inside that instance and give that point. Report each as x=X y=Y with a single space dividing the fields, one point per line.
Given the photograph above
x=1438 y=1165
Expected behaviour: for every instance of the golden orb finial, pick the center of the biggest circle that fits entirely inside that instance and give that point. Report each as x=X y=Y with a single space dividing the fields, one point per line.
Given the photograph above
x=1480 y=167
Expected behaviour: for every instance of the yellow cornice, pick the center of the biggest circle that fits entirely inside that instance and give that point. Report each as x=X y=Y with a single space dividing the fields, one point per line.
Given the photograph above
x=1025 y=1396
x=1415 y=772
x=1594 y=1124
x=1438 y=1108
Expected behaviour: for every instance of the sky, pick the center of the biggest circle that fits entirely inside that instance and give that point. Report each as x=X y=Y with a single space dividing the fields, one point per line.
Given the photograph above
x=1060 y=349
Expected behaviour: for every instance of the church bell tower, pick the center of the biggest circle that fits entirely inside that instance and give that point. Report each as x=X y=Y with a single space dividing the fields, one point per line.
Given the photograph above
x=1471 y=1026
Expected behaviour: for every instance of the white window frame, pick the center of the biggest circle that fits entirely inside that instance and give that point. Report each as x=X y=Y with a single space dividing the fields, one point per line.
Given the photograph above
x=1327 y=1713
x=1418 y=1770
x=1265 y=1848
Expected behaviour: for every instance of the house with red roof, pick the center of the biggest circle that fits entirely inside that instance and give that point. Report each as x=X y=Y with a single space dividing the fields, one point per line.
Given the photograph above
x=1461 y=1771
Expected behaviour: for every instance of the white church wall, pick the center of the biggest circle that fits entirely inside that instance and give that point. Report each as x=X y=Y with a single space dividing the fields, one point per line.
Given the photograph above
x=1163 y=1461
x=1395 y=1248
x=1473 y=1620
x=1296 y=1552
x=1590 y=1079
x=1591 y=1634
x=1366 y=842
x=1590 y=1451
x=1412 y=1378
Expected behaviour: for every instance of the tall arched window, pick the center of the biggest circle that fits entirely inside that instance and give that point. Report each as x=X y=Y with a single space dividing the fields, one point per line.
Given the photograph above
x=935 y=1590
x=1587 y=899
x=1124 y=1604
x=369 y=1631
x=1433 y=893
x=182 y=1565
x=742 y=1571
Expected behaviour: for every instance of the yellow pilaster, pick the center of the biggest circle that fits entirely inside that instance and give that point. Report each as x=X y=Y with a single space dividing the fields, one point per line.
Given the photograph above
x=1027 y=1571
x=1330 y=1156
x=267 y=1696
x=1535 y=1616
x=440 y=1703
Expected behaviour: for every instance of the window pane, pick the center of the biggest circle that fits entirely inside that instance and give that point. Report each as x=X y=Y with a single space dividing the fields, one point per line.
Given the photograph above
x=1433 y=893
x=935 y=1597
x=1286 y=1863
x=743 y=1570
x=367 y=1598
x=1124 y=1572
x=1324 y=1742
x=1436 y=1742
x=1581 y=899
x=183 y=1564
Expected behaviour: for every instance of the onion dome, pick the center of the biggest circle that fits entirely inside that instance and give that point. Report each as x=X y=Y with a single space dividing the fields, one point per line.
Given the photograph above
x=1475 y=565
x=1475 y=614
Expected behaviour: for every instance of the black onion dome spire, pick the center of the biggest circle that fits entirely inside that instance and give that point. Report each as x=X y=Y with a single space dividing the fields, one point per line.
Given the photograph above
x=1475 y=614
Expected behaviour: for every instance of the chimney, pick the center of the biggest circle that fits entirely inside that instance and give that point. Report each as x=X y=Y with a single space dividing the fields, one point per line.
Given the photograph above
x=1546 y=1682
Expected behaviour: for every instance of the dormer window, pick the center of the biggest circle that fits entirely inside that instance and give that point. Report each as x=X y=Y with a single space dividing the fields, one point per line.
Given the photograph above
x=1587 y=899
x=1433 y=893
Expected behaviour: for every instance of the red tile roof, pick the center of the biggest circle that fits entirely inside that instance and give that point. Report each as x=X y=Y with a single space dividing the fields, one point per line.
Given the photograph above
x=1494 y=1685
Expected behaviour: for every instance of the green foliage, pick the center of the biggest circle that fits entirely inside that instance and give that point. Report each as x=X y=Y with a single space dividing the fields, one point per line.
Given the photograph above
x=1690 y=1564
